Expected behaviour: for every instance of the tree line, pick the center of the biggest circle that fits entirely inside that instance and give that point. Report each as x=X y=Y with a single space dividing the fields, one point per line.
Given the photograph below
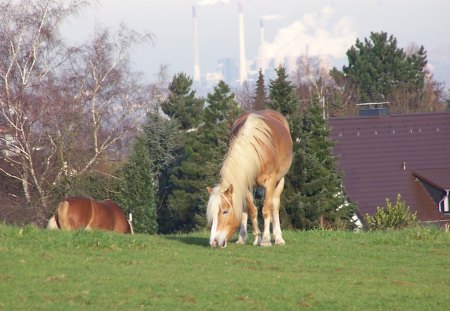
x=76 y=120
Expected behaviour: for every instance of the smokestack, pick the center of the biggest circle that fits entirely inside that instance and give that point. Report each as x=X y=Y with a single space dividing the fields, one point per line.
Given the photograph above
x=196 y=53
x=242 y=60
x=262 y=56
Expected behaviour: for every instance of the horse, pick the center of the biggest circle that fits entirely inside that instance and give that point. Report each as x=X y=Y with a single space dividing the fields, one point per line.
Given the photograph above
x=259 y=153
x=77 y=213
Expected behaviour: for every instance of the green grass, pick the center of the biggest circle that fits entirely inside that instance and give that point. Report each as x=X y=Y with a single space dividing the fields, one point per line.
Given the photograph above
x=316 y=270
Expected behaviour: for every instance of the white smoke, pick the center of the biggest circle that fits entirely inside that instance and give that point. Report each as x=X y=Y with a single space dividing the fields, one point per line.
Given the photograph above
x=211 y=2
x=314 y=34
x=273 y=17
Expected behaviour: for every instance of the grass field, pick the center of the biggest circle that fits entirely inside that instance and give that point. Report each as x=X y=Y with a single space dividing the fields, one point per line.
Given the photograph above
x=316 y=270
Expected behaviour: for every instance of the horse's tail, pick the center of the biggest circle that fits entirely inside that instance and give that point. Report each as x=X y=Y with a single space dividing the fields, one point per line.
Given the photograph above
x=129 y=221
x=53 y=223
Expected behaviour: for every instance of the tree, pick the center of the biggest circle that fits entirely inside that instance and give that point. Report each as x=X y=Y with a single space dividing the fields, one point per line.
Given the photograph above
x=381 y=71
x=200 y=165
x=260 y=99
x=162 y=136
x=313 y=177
x=182 y=103
x=282 y=94
x=244 y=96
x=137 y=189
x=185 y=112
x=66 y=107
x=30 y=52
x=313 y=78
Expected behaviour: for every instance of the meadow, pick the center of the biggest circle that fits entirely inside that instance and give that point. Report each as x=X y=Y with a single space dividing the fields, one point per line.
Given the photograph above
x=315 y=270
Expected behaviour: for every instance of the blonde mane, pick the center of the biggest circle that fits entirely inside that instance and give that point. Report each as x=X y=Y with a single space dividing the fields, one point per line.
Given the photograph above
x=243 y=160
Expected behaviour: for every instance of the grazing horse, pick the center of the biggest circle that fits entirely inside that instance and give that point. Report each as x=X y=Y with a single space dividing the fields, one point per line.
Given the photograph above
x=83 y=213
x=259 y=153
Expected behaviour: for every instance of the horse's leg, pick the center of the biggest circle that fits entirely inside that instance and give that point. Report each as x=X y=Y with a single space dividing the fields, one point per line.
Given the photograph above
x=243 y=230
x=253 y=211
x=267 y=213
x=276 y=227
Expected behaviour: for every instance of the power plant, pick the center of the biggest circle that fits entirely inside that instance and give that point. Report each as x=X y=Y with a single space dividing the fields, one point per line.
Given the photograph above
x=242 y=60
x=285 y=49
x=197 y=76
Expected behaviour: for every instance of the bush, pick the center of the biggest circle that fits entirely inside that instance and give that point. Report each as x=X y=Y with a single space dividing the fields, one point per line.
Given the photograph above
x=395 y=216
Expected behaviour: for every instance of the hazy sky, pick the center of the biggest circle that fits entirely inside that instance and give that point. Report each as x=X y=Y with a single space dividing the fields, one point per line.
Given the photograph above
x=327 y=28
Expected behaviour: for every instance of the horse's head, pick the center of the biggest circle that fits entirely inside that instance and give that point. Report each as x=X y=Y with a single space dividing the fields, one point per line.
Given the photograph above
x=221 y=216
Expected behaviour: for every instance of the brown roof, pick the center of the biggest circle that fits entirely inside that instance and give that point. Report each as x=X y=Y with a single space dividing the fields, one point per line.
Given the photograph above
x=381 y=156
x=438 y=178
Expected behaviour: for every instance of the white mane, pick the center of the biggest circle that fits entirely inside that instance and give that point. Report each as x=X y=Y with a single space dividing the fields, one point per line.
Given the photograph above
x=213 y=205
x=243 y=161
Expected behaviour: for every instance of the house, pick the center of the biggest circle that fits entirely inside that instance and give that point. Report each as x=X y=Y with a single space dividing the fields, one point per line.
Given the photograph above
x=384 y=155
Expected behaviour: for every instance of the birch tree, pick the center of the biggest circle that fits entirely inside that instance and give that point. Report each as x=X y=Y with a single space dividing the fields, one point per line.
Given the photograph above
x=64 y=106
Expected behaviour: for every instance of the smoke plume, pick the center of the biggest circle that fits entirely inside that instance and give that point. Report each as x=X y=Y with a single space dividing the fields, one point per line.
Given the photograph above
x=315 y=34
x=211 y=2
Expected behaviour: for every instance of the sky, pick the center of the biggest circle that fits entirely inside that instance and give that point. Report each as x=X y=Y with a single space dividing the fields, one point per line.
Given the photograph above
x=322 y=28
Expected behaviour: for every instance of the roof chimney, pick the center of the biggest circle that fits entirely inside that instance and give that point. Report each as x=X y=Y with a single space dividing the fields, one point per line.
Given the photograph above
x=373 y=109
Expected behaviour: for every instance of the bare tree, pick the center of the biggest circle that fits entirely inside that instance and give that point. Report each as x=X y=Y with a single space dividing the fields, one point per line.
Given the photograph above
x=110 y=97
x=30 y=50
x=244 y=96
x=64 y=107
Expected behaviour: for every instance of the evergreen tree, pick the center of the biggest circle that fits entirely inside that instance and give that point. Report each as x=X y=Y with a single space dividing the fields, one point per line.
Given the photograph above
x=137 y=195
x=162 y=135
x=202 y=151
x=260 y=101
x=182 y=103
x=282 y=94
x=379 y=68
x=282 y=99
x=314 y=171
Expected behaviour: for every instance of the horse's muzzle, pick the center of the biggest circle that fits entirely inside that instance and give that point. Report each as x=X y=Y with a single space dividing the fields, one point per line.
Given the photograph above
x=215 y=243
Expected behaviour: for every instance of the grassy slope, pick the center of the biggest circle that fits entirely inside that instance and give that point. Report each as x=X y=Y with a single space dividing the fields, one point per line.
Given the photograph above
x=317 y=270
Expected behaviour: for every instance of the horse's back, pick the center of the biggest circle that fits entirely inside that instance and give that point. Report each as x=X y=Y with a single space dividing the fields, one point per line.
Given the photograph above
x=74 y=213
x=83 y=213
x=278 y=156
x=117 y=221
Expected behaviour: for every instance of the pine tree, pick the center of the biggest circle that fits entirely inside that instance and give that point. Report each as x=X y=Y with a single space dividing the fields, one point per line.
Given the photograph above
x=203 y=151
x=182 y=103
x=185 y=111
x=379 y=68
x=137 y=193
x=282 y=94
x=314 y=171
x=162 y=135
x=260 y=101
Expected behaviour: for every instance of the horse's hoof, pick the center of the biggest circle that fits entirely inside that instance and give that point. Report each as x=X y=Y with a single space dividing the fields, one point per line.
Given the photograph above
x=265 y=243
x=280 y=242
x=240 y=241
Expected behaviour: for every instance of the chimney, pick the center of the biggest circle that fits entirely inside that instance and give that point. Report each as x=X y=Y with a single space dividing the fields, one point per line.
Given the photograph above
x=242 y=60
x=262 y=56
x=373 y=109
x=196 y=53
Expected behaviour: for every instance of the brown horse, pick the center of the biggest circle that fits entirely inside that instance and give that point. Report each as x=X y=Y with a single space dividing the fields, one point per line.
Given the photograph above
x=83 y=213
x=259 y=153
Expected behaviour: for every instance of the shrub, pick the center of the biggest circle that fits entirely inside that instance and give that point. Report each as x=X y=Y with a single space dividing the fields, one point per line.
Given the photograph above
x=395 y=216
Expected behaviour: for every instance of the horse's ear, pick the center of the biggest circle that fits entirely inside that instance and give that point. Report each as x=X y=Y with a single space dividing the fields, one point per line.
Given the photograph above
x=230 y=189
x=209 y=189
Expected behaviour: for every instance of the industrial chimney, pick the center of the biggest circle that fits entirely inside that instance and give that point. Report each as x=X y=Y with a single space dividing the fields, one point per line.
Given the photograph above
x=242 y=60
x=262 y=56
x=196 y=53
